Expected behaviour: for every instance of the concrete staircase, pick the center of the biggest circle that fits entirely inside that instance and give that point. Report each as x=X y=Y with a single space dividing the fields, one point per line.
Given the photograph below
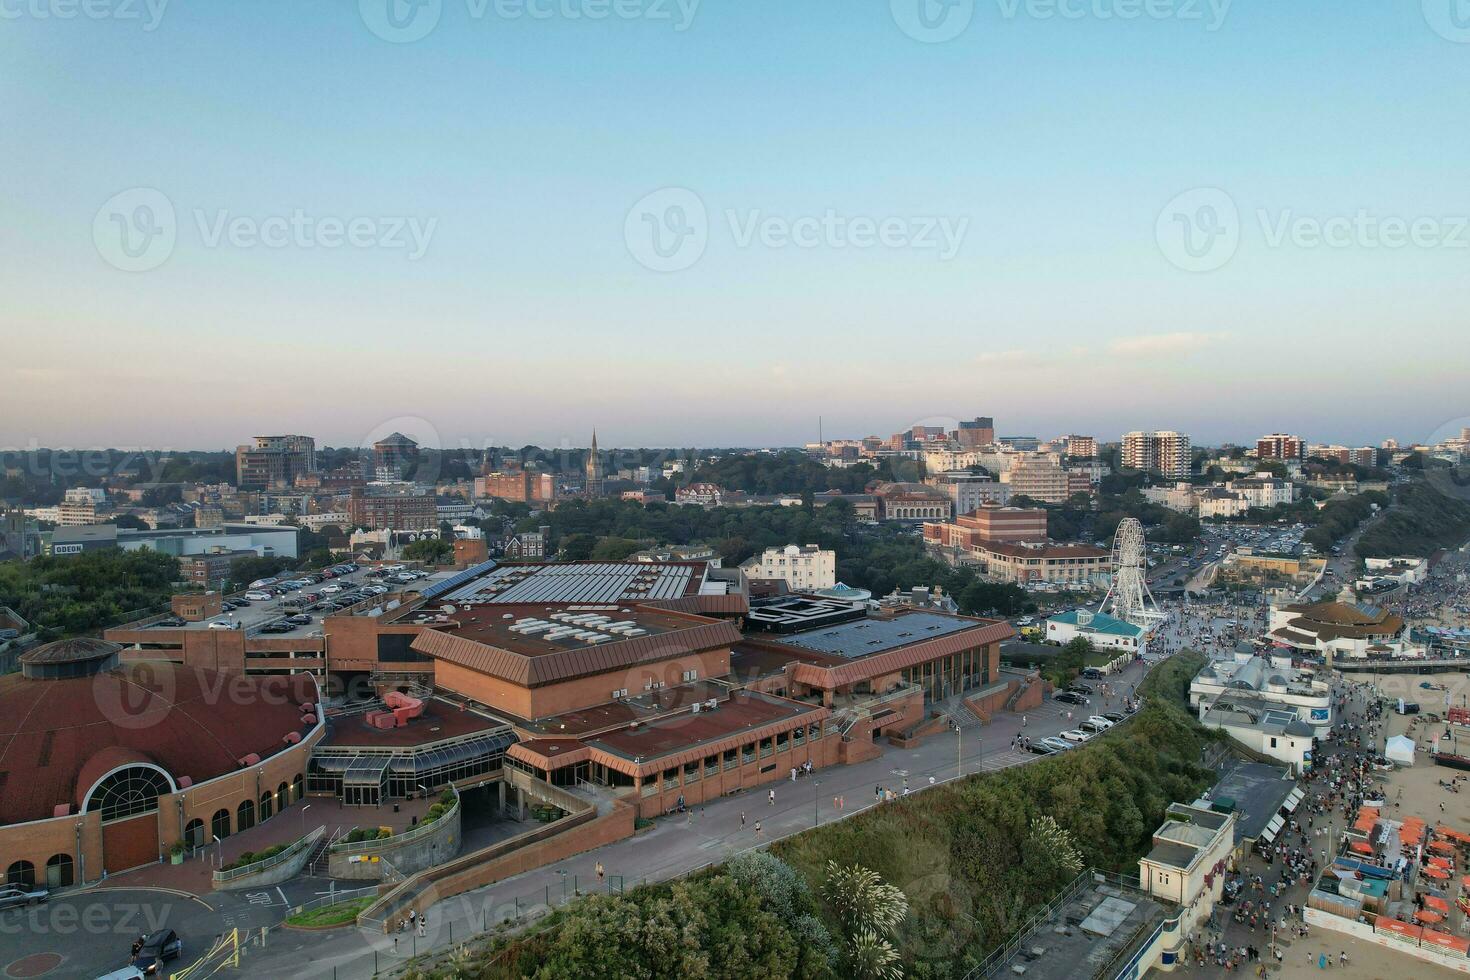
x=316 y=864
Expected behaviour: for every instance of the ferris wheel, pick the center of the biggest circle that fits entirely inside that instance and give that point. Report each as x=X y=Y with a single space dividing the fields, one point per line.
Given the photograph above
x=1128 y=592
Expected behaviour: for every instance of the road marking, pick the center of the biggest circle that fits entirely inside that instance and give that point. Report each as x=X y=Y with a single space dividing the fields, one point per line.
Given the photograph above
x=282 y=894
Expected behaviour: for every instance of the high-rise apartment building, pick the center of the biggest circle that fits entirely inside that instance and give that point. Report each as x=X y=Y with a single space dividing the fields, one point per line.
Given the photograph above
x=1166 y=453
x=274 y=461
x=1081 y=447
x=1279 y=445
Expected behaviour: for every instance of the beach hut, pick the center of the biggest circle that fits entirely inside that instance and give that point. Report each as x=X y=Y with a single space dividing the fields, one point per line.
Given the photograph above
x=1400 y=749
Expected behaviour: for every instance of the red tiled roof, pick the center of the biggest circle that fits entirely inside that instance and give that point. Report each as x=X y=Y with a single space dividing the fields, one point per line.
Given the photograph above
x=865 y=668
x=59 y=736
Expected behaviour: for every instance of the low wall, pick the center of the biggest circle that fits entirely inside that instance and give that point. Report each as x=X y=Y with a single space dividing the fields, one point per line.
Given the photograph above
x=281 y=867
x=1365 y=932
x=410 y=852
x=985 y=704
x=525 y=852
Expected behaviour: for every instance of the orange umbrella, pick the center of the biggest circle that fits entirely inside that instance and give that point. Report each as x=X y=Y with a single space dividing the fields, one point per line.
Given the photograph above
x=1440 y=862
x=1438 y=874
x=1442 y=846
x=1437 y=904
x=1424 y=915
x=1360 y=847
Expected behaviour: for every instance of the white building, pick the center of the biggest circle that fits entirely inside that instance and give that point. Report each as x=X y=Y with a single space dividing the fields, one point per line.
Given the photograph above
x=970 y=491
x=1263 y=491
x=1337 y=629
x=1263 y=728
x=1104 y=632
x=1273 y=681
x=1404 y=571
x=1186 y=866
x=1166 y=453
x=804 y=568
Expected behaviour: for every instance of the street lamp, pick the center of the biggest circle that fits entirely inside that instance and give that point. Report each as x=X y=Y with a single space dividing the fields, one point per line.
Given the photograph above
x=816 y=786
x=959 y=751
x=303 y=818
x=217 y=845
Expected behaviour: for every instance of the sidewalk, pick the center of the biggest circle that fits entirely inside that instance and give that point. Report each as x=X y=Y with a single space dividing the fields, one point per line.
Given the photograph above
x=678 y=845
x=196 y=874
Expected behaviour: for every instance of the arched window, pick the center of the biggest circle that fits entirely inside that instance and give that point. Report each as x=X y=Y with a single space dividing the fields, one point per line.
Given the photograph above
x=298 y=783
x=283 y=797
x=128 y=792
x=58 y=871
x=194 y=831
x=265 y=806
x=245 y=816
x=21 y=873
x=219 y=824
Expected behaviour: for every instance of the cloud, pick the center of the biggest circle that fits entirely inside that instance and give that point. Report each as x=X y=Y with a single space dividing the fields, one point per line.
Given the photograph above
x=1163 y=344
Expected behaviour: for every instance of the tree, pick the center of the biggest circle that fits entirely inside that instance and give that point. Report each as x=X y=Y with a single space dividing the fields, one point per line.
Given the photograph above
x=250 y=568
x=430 y=551
x=131 y=522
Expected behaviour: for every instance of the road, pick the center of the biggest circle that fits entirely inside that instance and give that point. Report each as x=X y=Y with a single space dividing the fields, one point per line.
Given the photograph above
x=680 y=844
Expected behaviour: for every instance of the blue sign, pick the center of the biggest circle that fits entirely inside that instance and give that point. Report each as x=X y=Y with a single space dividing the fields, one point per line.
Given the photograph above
x=1321 y=714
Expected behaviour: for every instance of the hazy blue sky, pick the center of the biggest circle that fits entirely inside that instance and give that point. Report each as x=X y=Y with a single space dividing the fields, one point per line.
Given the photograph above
x=504 y=284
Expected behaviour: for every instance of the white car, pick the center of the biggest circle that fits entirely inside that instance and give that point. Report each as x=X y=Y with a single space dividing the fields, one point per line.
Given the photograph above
x=260 y=583
x=1106 y=723
x=1075 y=735
x=220 y=624
x=332 y=589
x=258 y=596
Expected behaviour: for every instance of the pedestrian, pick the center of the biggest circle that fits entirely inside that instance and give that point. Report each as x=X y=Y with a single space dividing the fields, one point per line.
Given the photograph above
x=422 y=924
x=742 y=819
x=757 y=828
x=1023 y=721
x=601 y=873
x=773 y=797
x=793 y=774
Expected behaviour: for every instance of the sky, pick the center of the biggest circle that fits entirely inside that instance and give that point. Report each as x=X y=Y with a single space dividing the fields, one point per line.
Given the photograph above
x=701 y=224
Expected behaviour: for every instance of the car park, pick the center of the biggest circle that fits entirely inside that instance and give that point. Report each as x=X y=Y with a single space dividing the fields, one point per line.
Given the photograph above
x=15 y=896
x=1075 y=735
x=158 y=948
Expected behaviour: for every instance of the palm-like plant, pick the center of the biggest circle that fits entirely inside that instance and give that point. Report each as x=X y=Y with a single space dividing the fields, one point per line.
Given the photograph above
x=863 y=901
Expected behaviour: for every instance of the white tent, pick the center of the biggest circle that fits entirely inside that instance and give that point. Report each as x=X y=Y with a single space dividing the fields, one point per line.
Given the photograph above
x=1400 y=749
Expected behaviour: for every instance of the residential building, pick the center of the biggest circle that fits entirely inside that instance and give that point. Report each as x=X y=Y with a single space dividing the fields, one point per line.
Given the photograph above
x=395 y=511
x=970 y=490
x=209 y=515
x=1182 y=497
x=1214 y=502
x=804 y=568
x=701 y=494
x=393 y=455
x=1263 y=491
x=1081 y=447
x=976 y=432
x=1279 y=445
x=529 y=545
x=1166 y=453
x=210 y=568
x=1041 y=478
x=274 y=461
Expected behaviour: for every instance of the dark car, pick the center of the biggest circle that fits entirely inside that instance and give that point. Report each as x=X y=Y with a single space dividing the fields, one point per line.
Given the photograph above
x=1080 y=688
x=277 y=628
x=1093 y=674
x=1040 y=749
x=1114 y=716
x=1069 y=697
x=302 y=620
x=162 y=945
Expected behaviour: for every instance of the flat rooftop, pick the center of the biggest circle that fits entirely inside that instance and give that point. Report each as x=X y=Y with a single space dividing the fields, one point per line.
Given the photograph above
x=744 y=711
x=1100 y=924
x=536 y=630
x=441 y=720
x=583 y=582
x=1258 y=790
x=865 y=637
x=617 y=714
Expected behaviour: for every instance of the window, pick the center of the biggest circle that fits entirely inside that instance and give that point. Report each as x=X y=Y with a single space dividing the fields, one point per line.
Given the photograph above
x=128 y=792
x=59 y=871
x=621 y=692
x=219 y=824
x=21 y=873
x=690 y=675
x=265 y=806
x=245 y=816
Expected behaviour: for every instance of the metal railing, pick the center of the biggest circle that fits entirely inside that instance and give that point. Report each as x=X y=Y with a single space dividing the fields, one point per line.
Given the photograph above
x=255 y=867
x=408 y=836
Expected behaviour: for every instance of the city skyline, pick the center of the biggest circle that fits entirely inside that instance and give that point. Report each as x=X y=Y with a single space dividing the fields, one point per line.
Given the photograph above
x=823 y=228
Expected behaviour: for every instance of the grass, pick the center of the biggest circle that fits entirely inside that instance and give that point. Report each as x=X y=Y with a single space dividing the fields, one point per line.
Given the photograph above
x=341 y=914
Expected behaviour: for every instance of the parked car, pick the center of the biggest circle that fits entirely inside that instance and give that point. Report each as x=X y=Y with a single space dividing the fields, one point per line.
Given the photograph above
x=1093 y=674
x=163 y=945
x=300 y=620
x=277 y=628
x=1094 y=727
x=331 y=589
x=1075 y=735
x=1056 y=744
x=1041 y=748
x=1070 y=697
x=1114 y=716
x=1102 y=720
x=1080 y=688
x=258 y=595
x=126 y=973
x=14 y=896
x=222 y=624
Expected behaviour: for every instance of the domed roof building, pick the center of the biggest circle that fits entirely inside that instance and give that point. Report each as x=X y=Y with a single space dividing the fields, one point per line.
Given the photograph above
x=104 y=765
